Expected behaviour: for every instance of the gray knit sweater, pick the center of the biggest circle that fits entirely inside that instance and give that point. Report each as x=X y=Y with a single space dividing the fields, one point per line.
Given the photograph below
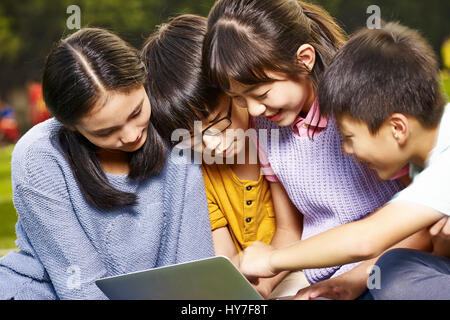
x=66 y=244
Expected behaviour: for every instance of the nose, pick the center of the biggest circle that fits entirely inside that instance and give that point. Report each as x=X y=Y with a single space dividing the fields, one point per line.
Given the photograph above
x=212 y=142
x=129 y=135
x=255 y=108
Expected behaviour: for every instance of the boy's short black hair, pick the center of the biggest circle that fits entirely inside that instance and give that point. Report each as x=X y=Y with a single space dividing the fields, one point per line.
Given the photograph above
x=380 y=72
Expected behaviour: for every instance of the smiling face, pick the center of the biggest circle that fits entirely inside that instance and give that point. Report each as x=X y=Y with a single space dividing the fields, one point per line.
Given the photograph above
x=118 y=122
x=280 y=101
x=225 y=142
x=283 y=99
x=384 y=152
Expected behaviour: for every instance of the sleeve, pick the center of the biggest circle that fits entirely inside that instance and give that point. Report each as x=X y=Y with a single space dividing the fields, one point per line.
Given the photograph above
x=266 y=169
x=22 y=275
x=268 y=173
x=42 y=201
x=195 y=238
x=431 y=187
x=216 y=216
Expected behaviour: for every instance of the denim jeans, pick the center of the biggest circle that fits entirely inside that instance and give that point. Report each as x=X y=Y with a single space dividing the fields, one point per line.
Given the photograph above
x=412 y=275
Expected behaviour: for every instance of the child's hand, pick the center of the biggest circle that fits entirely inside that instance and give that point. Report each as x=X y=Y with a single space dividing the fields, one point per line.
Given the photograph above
x=255 y=261
x=263 y=286
x=440 y=233
x=342 y=287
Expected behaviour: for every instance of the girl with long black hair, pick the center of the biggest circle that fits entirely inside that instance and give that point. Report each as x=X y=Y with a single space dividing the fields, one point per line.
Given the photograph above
x=96 y=189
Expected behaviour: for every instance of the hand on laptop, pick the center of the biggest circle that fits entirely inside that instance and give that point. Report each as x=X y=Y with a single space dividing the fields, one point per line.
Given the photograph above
x=347 y=286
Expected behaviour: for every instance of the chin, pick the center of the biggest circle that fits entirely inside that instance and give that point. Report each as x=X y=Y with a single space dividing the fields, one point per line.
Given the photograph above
x=137 y=147
x=283 y=122
x=385 y=175
x=286 y=120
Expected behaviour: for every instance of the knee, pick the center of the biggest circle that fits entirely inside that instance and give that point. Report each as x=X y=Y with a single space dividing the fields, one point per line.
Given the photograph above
x=394 y=271
x=395 y=257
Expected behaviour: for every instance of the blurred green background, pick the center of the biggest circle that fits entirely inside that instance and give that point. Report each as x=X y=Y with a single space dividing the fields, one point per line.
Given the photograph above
x=8 y=214
x=29 y=28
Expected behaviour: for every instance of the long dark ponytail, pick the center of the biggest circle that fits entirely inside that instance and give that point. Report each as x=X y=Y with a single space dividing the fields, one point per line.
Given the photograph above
x=78 y=70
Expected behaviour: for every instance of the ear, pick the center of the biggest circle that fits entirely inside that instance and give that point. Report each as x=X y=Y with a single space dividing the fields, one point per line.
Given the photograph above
x=306 y=55
x=400 y=127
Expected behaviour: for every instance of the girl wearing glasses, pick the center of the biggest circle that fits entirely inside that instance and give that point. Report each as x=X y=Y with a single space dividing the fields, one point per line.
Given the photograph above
x=268 y=56
x=239 y=197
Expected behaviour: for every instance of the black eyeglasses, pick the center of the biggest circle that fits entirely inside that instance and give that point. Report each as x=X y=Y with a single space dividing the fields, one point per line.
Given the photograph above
x=214 y=129
x=220 y=125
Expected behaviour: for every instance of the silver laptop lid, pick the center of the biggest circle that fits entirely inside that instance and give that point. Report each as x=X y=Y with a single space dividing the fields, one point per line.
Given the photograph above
x=213 y=278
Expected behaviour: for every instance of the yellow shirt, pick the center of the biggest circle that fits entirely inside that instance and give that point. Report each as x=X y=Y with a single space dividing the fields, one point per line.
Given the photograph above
x=244 y=206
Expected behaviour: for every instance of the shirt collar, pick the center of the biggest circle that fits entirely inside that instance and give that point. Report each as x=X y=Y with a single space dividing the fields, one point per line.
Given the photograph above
x=312 y=119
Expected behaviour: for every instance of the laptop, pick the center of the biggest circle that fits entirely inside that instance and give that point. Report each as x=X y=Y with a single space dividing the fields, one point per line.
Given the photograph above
x=213 y=278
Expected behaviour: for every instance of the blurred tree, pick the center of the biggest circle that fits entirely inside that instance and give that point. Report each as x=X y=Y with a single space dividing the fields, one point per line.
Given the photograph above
x=28 y=28
x=9 y=41
x=36 y=24
x=431 y=17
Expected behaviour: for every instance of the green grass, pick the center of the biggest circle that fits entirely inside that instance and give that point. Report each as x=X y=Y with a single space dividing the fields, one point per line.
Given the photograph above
x=446 y=82
x=8 y=216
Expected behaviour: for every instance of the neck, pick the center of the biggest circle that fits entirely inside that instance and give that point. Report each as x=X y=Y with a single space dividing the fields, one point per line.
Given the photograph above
x=114 y=162
x=243 y=153
x=247 y=170
x=424 y=142
x=307 y=106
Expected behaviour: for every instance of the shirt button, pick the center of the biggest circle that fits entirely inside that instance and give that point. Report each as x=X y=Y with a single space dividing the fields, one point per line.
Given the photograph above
x=248 y=220
x=249 y=202
x=249 y=188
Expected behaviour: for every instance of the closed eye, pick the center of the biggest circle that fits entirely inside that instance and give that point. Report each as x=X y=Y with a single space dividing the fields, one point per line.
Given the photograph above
x=263 y=96
x=107 y=131
x=136 y=114
x=105 y=134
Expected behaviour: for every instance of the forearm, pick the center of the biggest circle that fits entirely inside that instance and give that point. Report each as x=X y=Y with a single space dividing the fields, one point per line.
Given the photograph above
x=289 y=221
x=356 y=241
x=327 y=249
x=269 y=284
x=419 y=241
x=282 y=238
x=224 y=245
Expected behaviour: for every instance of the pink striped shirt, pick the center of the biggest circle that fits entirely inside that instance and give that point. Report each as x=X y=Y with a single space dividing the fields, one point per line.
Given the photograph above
x=303 y=127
